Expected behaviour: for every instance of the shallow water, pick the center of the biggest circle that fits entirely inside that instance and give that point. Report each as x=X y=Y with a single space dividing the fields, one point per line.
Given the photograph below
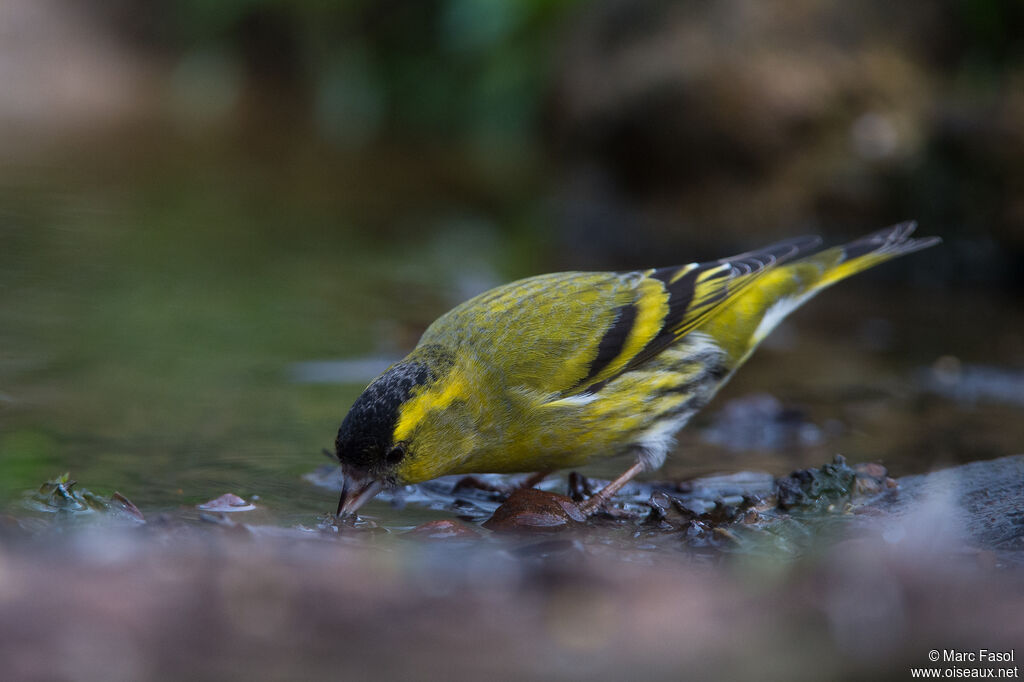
x=174 y=336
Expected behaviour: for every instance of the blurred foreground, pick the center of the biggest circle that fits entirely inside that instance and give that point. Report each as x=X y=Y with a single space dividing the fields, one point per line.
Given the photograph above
x=902 y=573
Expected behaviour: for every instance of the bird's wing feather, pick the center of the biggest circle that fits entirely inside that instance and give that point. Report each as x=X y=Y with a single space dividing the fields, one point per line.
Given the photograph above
x=692 y=294
x=696 y=293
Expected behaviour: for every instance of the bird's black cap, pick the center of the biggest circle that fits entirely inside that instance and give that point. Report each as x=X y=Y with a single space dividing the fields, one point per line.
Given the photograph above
x=366 y=434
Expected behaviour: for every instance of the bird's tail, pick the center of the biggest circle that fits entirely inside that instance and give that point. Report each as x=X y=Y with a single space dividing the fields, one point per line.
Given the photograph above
x=784 y=288
x=840 y=262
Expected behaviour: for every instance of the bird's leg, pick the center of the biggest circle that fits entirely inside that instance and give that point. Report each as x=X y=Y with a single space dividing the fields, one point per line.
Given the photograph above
x=534 y=478
x=579 y=486
x=604 y=494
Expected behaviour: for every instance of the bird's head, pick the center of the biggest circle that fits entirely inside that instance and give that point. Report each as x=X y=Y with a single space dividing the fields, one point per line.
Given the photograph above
x=395 y=434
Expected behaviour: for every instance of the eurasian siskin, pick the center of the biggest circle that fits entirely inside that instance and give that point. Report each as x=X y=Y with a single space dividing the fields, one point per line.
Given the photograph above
x=557 y=370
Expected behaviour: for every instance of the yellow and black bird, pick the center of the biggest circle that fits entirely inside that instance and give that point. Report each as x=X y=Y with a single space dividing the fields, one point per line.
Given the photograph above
x=559 y=370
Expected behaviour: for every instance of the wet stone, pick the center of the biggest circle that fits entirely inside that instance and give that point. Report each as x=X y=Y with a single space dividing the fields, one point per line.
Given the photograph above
x=125 y=507
x=529 y=509
x=660 y=503
x=871 y=478
x=64 y=496
x=228 y=502
x=722 y=513
x=816 y=487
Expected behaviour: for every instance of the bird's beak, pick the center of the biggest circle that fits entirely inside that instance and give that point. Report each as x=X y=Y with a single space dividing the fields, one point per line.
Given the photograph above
x=354 y=494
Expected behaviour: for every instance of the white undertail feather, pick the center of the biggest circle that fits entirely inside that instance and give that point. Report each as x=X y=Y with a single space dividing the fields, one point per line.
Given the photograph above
x=777 y=312
x=658 y=440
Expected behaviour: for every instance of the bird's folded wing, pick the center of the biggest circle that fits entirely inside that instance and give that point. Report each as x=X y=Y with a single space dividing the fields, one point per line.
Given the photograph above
x=685 y=297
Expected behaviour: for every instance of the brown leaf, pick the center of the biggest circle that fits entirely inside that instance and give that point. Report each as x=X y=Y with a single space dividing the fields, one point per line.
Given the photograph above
x=530 y=509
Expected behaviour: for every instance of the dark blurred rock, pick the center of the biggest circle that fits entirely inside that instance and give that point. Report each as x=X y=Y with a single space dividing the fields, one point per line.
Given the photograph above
x=980 y=504
x=761 y=422
x=972 y=384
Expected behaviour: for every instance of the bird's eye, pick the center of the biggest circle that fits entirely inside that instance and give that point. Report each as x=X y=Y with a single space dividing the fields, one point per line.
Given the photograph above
x=395 y=455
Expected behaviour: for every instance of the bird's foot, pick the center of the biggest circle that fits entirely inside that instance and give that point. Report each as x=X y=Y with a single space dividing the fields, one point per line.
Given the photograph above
x=601 y=497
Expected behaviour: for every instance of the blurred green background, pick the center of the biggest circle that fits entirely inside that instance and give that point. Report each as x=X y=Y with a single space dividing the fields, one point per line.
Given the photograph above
x=198 y=199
